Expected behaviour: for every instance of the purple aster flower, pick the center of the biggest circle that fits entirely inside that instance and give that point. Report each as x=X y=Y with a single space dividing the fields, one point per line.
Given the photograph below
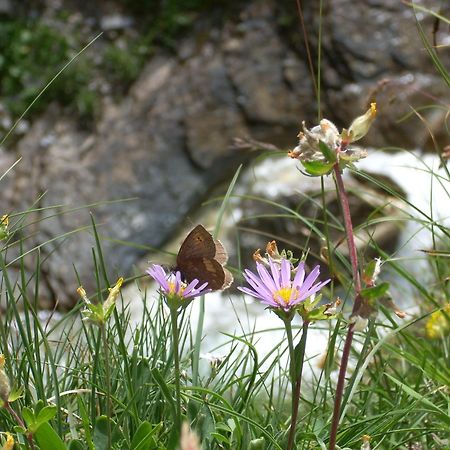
x=277 y=289
x=172 y=285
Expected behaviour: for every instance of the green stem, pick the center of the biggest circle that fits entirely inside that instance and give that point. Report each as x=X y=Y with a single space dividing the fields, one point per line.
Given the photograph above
x=288 y=326
x=176 y=359
x=296 y=388
x=198 y=341
x=108 y=382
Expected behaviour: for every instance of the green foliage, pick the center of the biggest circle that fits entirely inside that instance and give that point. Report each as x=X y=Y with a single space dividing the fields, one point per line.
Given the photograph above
x=30 y=54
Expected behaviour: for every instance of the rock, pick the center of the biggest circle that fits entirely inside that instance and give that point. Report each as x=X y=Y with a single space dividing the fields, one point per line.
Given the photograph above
x=383 y=60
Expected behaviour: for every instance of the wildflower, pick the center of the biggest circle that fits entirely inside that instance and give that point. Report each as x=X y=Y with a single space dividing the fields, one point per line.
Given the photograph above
x=100 y=313
x=188 y=439
x=308 y=148
x=176 y=292
x=277 y=289
x=322 y=147
x=5 y=387
x=9 y=444
x=438 y=324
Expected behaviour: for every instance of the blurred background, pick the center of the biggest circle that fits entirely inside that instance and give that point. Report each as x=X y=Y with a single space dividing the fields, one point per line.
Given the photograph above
x=156 y=116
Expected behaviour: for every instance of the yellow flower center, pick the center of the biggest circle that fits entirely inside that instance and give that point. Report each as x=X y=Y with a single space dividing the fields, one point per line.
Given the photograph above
x=172 y=288
x=284 y=294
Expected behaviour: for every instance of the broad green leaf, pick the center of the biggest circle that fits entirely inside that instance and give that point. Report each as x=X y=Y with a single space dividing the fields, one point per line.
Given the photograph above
x=101 y=431
x=46 y=414
x=48 y=439
x=28 y=416
x=317 y=168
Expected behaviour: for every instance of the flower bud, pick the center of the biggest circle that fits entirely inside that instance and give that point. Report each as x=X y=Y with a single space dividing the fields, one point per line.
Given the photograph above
x=5 y=387
x=112 y=297
x=4 y=221
x=361 y=125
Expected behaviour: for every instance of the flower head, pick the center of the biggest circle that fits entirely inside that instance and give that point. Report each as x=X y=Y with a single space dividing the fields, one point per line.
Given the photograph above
x=323 y=146
x=277 y=288
x=175 y=290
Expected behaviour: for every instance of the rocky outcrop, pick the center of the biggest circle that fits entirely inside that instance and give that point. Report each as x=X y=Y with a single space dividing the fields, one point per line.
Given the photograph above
x=163 y=147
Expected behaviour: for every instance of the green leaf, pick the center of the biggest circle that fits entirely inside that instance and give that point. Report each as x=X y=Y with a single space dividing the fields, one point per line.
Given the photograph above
x=220 y=438
x=15 y=394
x=48 y=439
x=143 y=439
x=375 y=292
x=317 y=168
x=45 y=415
x=330 y=156
x=28 y=416
x=103 y=426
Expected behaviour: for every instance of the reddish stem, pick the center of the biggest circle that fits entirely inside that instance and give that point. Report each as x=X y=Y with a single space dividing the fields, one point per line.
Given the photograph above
x=343 y=199
x=19 y=422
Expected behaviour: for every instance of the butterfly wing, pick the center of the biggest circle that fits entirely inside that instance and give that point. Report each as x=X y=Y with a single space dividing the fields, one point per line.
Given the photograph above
x=206 y=270
x=202 y=258
x=198 y=244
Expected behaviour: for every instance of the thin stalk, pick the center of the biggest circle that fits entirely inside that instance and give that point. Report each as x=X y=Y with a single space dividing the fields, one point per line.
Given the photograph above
x=108 y=382
x=20 y=422
x=288 y=326
x=176 y=360
x=297 y=386
x=198 y=341
x=343 y=199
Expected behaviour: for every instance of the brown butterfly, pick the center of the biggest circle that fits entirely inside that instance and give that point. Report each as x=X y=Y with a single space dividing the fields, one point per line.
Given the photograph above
x=203 y=257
